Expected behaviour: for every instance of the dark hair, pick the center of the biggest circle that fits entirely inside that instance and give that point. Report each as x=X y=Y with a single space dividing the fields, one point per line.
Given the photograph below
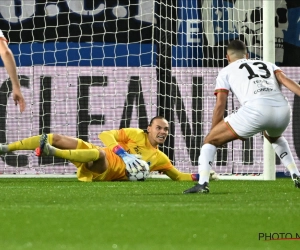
x=156 y=117
x=237 y=45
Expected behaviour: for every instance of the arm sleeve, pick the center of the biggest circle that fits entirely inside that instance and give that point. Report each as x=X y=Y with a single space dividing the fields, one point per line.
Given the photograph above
x=176 y=175
x=275 y=67
x=2 y=37
x=109 y=138
x=222 y=84
x=112 y=138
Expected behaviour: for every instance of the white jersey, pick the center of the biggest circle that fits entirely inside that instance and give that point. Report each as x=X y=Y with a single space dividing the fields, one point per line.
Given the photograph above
x=1 y=33
x=2 y=37
x=251 y=80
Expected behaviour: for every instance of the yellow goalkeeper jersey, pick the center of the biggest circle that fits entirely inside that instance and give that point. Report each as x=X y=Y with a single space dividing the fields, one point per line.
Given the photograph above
x=135 y=141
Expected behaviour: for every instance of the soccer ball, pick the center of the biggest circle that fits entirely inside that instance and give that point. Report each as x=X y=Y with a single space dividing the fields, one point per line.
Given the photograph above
x=139 y=176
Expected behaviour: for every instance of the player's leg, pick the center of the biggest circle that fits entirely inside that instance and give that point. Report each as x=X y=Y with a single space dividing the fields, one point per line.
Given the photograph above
x=74 y=150
x=236 y=126
x=219 y=135
x=100 y=165
x=59 y=150
x=93 y=170
x=46 y=141
x=29 y=143
x=63 y=141
x=280 y=145
x=282 y=149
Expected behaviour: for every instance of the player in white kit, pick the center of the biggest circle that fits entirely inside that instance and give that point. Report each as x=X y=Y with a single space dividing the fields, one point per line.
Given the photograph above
x=256 y=84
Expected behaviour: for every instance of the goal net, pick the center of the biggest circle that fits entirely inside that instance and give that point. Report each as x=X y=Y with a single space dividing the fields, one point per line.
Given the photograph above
x=89 y=66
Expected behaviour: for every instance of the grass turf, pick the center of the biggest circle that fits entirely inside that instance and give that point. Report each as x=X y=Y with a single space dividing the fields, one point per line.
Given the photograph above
x=68 y=214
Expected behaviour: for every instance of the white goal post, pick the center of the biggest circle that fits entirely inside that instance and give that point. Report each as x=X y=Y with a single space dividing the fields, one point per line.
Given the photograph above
x=89 y=66
x=269 y=55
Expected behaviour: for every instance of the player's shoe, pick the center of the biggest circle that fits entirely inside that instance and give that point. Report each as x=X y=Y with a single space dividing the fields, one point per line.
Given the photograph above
x=213 y=176
x=44 y=148
x=3 y=149
x=296 y=180
x=198 y=188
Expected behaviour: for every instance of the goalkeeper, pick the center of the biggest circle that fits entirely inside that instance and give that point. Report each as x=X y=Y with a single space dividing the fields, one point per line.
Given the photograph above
x=111 y=162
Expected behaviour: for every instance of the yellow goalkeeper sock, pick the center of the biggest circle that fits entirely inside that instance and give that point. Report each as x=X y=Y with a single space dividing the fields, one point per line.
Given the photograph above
x=29 y=143
x=78 y=155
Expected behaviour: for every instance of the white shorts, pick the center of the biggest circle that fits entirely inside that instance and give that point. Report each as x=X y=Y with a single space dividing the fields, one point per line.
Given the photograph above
x=252 y=119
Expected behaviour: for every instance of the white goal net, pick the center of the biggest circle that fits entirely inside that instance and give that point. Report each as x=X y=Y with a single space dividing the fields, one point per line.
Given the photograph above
x=88 y=66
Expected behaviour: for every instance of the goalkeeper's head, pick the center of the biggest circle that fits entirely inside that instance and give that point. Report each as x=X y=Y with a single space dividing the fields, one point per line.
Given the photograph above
x=158 y=130
x=236 y=50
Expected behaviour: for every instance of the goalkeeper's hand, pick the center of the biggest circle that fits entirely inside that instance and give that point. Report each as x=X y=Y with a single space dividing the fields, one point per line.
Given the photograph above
x=132 y=162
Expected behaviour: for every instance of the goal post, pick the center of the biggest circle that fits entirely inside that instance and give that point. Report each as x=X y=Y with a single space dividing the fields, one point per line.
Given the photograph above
x=89 y=66
x=269 y=55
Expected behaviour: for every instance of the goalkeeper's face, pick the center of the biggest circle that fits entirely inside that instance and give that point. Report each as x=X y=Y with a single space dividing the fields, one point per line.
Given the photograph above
x=158 y=131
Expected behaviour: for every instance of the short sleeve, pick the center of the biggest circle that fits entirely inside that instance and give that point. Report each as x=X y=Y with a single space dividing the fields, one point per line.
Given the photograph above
x=222 y=84
x=2 y=37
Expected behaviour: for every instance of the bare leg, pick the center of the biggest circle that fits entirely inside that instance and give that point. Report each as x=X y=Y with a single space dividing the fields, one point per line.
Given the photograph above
x=221 y=134
x=218 y=136
x=99 y=166
x=282 y=149
x=64 y=142
x=66 y=147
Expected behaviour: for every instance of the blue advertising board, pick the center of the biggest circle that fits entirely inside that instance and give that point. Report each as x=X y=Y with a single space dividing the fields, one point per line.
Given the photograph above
x=120 y=32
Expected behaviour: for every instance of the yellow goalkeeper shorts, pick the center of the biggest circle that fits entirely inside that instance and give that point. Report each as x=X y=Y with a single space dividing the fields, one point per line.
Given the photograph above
x=115 y=169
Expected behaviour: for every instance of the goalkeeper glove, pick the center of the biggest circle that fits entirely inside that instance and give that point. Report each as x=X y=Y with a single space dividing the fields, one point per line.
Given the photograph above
x=132 y=162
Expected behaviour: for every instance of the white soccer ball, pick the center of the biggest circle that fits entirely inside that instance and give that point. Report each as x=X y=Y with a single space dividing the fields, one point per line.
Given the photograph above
x=139 y=176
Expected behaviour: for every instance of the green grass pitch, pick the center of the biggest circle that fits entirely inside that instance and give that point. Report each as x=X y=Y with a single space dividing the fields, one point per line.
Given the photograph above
x=67 y=214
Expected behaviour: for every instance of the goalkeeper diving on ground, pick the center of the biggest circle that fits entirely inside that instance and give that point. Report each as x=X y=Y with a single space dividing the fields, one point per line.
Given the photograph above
x=126 y=152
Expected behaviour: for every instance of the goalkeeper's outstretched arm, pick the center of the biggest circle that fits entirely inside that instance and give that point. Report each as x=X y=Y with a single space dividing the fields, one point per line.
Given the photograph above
x=176 y=175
